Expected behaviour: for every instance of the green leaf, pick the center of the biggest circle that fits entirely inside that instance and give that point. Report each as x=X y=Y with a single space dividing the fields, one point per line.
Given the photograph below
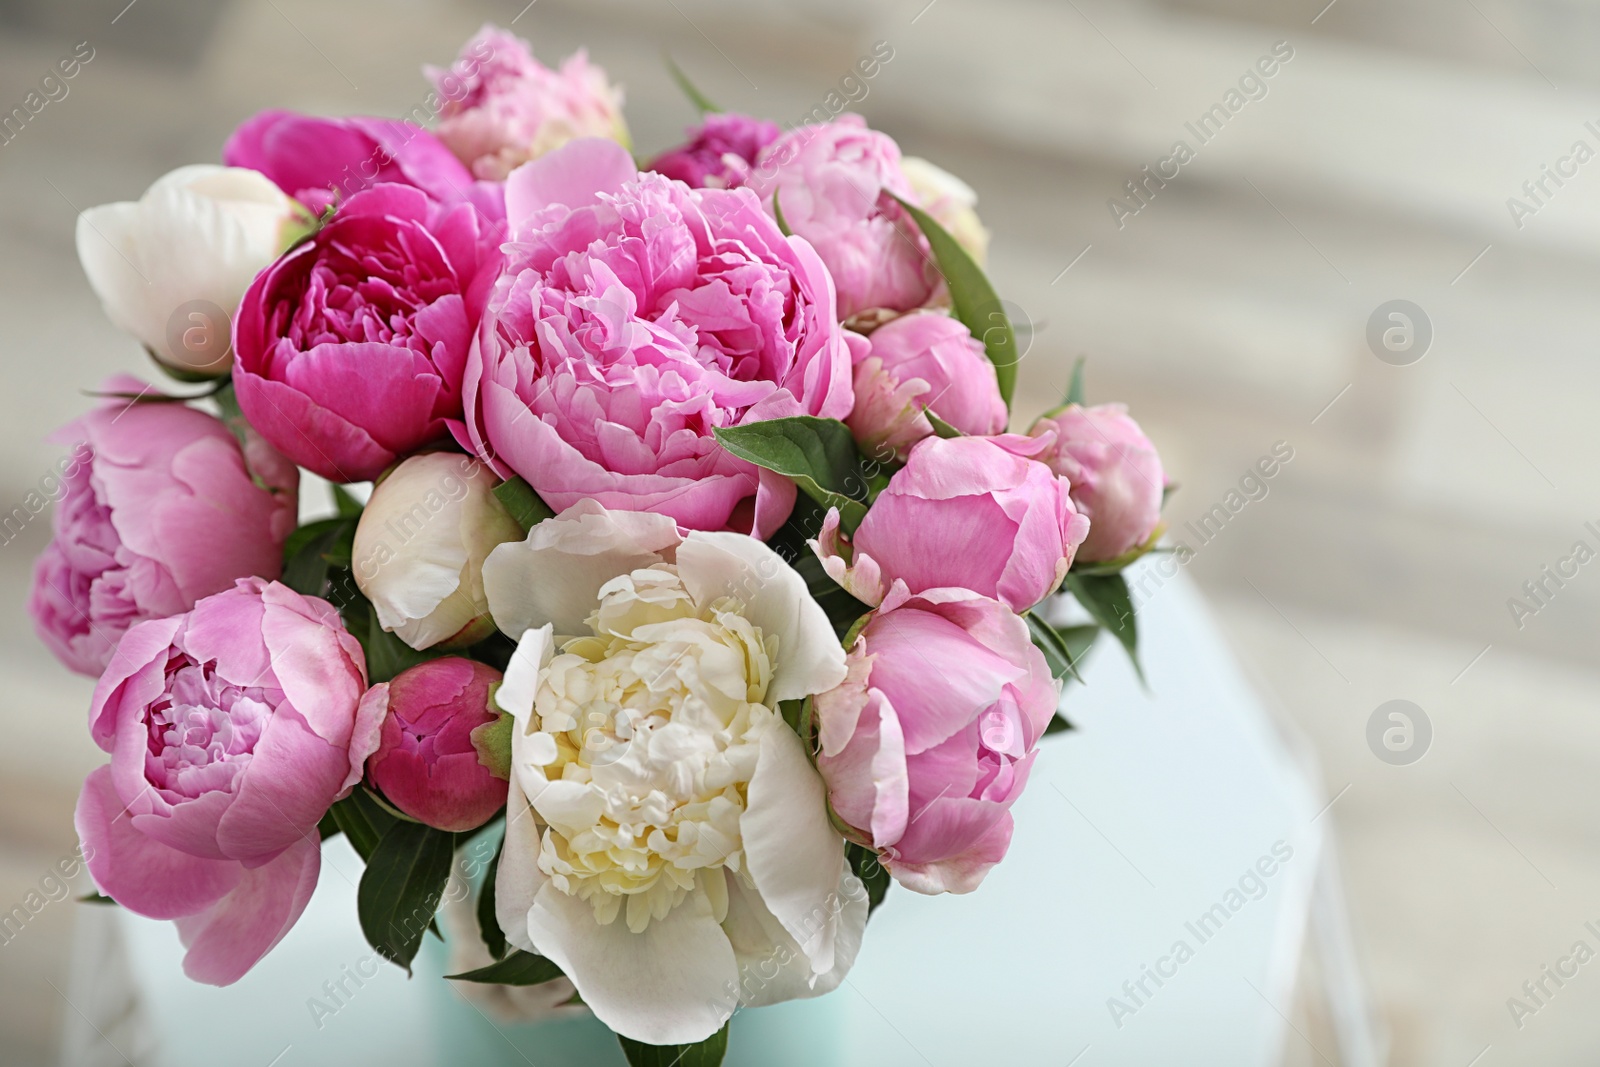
x=819 y=454
x=701 y=102
x=707 y=1053
x=494 y=939
x=348 y=506
x=1060 y=654
x=1106 y=598
x=363 y=820
x=1058 y=724
x=401 y=888
x=328 y=826
x=312 y=550
x=974 y=299
x=1127 y=559
x=519 y=968
x=872 y=873
x=96 y=898
x=940 y=427
x=492 y=741
x=523 y=503
x=777 y=215
x=387 y=655
x=1075 y=386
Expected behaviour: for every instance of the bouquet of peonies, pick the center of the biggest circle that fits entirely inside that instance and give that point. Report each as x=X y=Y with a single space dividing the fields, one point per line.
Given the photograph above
x=700 y=576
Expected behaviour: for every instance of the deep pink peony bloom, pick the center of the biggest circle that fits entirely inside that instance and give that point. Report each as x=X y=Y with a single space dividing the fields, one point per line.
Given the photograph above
x=321 y=162
x=159 y=508
x=231 y=729
x=502 y=107
x=931 y=737
x=719 y=152
x=974 y=513
x=426 y=764
x=349 y=350
x=833 y=183
x=1115 y=473
x=634 y=317
x=924 y=360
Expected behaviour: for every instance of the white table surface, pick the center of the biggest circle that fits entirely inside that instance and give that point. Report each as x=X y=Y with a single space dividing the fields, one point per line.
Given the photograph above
x=1132 y=827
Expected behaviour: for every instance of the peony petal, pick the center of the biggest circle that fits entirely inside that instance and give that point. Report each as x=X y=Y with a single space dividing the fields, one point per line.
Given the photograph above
x=772 y=968
x=672 y=984
x=555 y=575
x=572 y=176
x=961 y=873
x=810 y=658
x=792 y=852
x=869 y=782
x=231 y=936
x=137 y=871
x=518 y=878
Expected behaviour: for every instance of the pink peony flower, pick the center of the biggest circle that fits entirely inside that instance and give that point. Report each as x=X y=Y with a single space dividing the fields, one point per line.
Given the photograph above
x=426 y=764
x=321 y=162
x=350 y=349
x=502 y=107
x=159 y=508
x=231 y=729
x=1115 y=473
x=972 y=513
x=930 y=739
x=634 y=317
x=924 y=360
x=719 y=151
x=833 y=183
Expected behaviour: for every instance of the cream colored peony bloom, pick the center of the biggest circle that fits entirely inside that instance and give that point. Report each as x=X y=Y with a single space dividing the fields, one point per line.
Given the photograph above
x=951 y=201
x=172 y=267
x=420 y=545
x=667 y=839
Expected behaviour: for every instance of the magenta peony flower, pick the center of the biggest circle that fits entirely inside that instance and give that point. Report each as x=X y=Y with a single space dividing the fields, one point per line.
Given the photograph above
x=159 y=509
x=719 y=152
x=501 y=107
x=321 y=162
x=924 y=360
x=972 y=513
x=231 y=729
x=426 y=764
x=1115 y=473
x=931 y=737
x=634 y=317
x=832 y=183
x=349 y=350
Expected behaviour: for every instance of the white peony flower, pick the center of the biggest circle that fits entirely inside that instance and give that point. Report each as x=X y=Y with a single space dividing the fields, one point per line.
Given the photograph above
x=667 y=840
x=172 y=267
x=420 y=545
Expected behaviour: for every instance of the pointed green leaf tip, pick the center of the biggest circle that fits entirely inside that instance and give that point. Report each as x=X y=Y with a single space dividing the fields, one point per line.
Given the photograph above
x=701 y=102
x=974 y=299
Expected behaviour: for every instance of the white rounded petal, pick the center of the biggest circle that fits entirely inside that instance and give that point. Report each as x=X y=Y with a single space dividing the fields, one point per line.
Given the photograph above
x=672 y=984
x=518 y=878
x=106 y=248
x=421 y=542
x=554 y=575
x=521 y=682
x=199 y=234
x=809 y=657
x=792 y=852
x=772 y=967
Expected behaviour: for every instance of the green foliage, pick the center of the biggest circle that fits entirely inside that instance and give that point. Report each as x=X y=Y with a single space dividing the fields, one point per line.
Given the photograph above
x=1106 y=598
x=519 y=968
x=819 y=454
x=873 y=874
x=523 y=503
x=401 y=888
x=973 y=298
x=707 y=1053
